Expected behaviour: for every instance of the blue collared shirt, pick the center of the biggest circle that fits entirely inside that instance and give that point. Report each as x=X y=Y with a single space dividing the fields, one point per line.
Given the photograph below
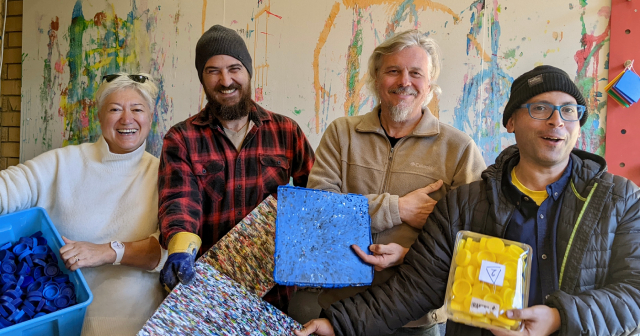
x=537 y=226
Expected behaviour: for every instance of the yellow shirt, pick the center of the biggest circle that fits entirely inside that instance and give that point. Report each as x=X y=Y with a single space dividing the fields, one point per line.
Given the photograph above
x=536 y=196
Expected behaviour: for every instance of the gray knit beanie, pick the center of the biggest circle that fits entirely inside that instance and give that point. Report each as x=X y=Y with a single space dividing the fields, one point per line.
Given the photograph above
x=219 y=40
x=541 y=79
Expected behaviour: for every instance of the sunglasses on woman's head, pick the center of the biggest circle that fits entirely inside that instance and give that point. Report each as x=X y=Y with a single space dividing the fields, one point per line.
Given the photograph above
x=136 y=78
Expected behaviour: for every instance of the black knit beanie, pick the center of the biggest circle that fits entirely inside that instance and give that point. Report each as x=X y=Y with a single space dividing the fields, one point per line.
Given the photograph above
x=541 y=79
x=219 y=40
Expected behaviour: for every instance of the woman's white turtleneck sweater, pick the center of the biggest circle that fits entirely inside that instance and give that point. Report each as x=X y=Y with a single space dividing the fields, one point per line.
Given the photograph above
x=97 y=196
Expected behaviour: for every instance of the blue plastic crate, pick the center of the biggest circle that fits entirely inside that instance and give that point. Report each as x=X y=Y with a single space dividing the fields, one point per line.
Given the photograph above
x=67 y=321
x=314 y=233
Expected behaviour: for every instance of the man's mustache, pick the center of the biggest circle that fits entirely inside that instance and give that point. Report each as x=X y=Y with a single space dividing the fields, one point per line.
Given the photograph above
x=404 y=90
x=221 y=87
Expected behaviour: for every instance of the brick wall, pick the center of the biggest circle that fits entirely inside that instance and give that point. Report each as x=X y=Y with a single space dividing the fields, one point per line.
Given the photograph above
x=11 y=83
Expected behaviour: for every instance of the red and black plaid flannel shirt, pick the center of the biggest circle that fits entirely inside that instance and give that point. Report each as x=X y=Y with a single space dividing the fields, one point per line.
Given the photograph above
x=206 y=186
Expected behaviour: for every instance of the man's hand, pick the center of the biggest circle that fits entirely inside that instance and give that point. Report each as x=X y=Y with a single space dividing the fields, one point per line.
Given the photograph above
x=320 y=327
x=537 y=321
x=384 y=256
x=416 y=206
x=179 y=267
x=78 y=254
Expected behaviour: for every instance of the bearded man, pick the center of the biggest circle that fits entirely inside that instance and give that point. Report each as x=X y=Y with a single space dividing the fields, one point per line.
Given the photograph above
x=399 y=156
x=218 y=165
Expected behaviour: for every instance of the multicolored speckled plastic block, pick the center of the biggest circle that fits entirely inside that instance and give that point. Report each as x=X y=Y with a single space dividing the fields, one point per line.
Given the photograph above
x=224 y=298
x=213 y=304
x=245 y=253
x=314 y=232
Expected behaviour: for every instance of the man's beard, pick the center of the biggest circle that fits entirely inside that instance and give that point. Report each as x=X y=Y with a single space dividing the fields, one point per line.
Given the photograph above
x=231 y=112
x=400 y=112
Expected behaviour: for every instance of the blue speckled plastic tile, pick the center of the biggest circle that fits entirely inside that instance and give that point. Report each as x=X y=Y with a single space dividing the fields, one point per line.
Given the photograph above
x=314 y=232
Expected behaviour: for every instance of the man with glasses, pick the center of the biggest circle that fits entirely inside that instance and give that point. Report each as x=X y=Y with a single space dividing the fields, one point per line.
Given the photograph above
x=219 y=164
x=582 y=223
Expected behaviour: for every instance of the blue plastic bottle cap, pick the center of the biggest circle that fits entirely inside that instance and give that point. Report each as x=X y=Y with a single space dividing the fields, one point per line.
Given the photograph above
x=36 y=234
x=6 y=298
x=38 y=272
x=9 y=307
x=40 y=250
x=28 y=260
x=16 y=315
x=41 y=241
x=39 y=261
x=51 y=270
x=4 y=323
x=8 y=278
x=62 y=301
x=14 y=294
x=40 y=305
x=52 y=256
x=39 y=315
x=8 y=266
x=28 y=280
x=4 y=312
x=34 y=296
x=28 y=311
x=6 y=254
x=61 y=278
x=5 y=246
x=49 y=308
x=17 y=302
x=24 y=269
x=7 y=286
x=67 y=290
x=36 y=286
x=24 y=254
x=51 y=291
x=29 y=305
x=18 y=249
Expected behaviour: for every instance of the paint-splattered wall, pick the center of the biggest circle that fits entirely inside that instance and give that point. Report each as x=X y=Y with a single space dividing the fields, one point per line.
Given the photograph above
x=309 y=58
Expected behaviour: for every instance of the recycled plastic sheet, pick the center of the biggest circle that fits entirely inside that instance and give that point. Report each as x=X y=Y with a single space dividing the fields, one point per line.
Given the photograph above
x=213 y=304
x=245 y=253
x=314 y=232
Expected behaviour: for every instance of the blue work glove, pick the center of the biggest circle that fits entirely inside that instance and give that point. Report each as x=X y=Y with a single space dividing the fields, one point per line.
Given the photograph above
x=179 y=267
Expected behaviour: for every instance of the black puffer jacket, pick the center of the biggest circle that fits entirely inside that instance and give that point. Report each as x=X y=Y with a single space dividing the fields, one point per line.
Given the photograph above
x=598 y=244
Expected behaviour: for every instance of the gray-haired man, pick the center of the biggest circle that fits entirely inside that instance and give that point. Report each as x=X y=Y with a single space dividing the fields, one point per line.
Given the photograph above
x=399 y=155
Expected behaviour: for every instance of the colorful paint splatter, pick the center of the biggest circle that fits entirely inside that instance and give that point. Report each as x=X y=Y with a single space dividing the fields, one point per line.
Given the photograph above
x=102 y=44
x=588 y=59
x=216 y=305
x=486 y=91
x=245 y=253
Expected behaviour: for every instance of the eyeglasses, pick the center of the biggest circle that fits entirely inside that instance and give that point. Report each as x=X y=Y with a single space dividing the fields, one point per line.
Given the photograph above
x=544 y=111
x=136 y=78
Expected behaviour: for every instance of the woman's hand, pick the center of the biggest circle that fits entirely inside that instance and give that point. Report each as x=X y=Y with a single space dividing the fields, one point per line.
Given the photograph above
x=77 y=254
